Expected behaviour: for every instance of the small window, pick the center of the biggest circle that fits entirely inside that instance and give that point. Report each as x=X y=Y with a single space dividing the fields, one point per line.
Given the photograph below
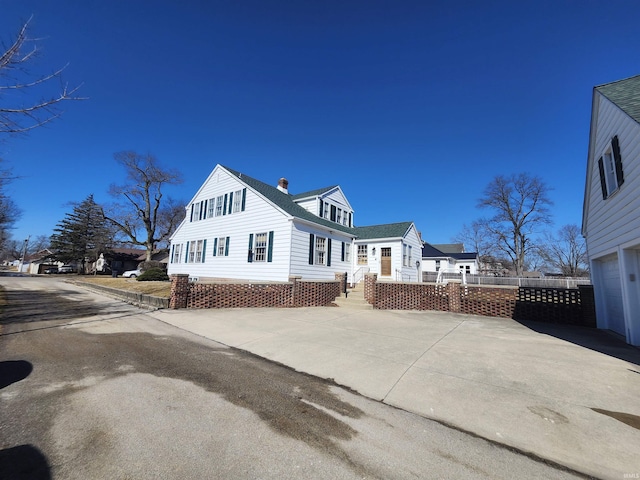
x=260 y=253
x=237 y=201
x=196 y=211
x=610 y=169
x=321 y=258
x=339 y=216
x=177 y=253
x=362 y=255
x=219 y=202
x=198 y=257
x=437 y=265
x=222 y=241
x=212 y=207
x=347 y=252
x=405 y=260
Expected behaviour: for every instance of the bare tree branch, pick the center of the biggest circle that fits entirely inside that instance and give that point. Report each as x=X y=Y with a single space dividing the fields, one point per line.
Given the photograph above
x=18 y=112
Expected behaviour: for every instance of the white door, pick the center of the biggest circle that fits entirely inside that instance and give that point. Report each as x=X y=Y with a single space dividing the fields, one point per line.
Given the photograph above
x=612 y=289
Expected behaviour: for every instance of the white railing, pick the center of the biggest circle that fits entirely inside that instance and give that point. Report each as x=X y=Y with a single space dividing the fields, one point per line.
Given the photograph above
x=432 y=277
x=359 y=274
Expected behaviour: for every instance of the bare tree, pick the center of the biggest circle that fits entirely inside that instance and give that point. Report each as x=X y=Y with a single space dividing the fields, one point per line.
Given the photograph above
x=139 y=215
x=519 y=205
x=566 y=251
x=9 y=211
x=18 y=112
x=474 y=237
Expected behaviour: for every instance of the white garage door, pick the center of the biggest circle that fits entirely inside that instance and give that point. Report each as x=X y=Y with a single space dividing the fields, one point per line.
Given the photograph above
x=613 y=295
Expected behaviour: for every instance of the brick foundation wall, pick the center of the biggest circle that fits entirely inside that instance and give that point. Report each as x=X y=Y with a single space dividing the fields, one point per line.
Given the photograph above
x=551 y=305
x=295 y=293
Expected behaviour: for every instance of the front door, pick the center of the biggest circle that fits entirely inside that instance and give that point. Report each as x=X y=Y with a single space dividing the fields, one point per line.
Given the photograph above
x=385 y=262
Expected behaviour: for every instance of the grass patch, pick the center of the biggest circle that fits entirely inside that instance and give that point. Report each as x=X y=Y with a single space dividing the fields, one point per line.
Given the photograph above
x=157 y=289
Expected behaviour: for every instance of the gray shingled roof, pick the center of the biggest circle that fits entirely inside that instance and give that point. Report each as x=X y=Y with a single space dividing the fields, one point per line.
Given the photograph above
x=286 y=202
x=625 y=94
x=389 y=230
x=313 y=193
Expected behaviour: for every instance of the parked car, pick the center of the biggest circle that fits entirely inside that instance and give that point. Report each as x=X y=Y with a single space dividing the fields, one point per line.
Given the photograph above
x=49 y=271
x=132 y=273
x=67 y=269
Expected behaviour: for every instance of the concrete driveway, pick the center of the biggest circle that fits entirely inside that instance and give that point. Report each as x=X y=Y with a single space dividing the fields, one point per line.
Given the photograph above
x=569 y=395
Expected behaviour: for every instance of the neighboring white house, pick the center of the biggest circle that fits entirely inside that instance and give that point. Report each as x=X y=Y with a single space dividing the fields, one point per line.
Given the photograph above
x=241 y=228
x=611 y=211
x=450 y=258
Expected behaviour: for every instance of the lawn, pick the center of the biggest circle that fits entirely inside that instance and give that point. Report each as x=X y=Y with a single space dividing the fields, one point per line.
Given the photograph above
x=157 y=289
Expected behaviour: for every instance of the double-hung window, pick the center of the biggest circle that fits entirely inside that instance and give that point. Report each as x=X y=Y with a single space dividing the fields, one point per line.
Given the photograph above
x=237 y=201
x=219 y=202
x=405 y=261
x=339 y=216
x=321 y=254
x=260 y=252
x=347 y=252
x=177 y=253
x=212 y=207
x=222 y=241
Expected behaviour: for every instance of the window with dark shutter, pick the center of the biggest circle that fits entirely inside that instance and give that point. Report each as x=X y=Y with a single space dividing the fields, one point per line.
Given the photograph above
x=311 y=240
x=615 y=145
x=333 y=213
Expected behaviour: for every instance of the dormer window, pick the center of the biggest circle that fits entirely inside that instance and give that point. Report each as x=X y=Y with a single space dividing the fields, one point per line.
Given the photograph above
x=610 y=167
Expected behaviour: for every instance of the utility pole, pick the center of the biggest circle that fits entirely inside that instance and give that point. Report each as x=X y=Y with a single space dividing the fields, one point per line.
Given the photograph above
x=24 y=253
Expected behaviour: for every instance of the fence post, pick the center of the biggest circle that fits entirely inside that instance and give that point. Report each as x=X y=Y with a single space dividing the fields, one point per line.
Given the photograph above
x=294 y=290
x=179 y=291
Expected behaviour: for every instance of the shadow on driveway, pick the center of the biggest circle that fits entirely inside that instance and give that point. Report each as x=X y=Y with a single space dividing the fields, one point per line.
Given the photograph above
x=12 y=371
x=24 y=462
x=598 y=340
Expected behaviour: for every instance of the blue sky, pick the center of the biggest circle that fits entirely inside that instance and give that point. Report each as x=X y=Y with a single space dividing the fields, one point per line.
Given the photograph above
x=411 y=107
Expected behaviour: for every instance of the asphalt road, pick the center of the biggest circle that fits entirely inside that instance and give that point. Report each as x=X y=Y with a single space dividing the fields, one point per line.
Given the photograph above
x=92 y=388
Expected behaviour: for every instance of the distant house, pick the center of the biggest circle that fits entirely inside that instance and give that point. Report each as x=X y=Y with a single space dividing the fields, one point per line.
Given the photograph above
x=611 y=218
x=450 y=258
x=38 y=262
x=238 y=227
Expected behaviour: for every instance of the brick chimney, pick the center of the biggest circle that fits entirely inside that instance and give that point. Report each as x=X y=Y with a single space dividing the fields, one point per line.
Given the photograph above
x=283 y=185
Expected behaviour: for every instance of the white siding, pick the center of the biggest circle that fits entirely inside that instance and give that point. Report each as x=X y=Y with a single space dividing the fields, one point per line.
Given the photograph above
x=614 y=221
x=258 y=216
x=300 y=238
x=311 y=205
x=412 y=273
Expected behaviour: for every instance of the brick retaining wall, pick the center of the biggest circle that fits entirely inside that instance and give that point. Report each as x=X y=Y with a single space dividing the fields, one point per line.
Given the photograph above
x=552 y=305
x=295 y=293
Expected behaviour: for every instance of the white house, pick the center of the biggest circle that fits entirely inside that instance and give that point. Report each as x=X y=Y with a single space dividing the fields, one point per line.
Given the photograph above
x=450 y=258
x=611 y=210
x=238 y=227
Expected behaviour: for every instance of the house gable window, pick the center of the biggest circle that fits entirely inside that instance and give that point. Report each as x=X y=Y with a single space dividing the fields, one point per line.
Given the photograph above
x=610 y=169
x=362 y=255
x=219 y=202
x=237 y=201
x=212 y=207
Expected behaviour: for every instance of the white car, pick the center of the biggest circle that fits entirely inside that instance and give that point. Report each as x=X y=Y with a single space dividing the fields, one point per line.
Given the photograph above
x=132 y=273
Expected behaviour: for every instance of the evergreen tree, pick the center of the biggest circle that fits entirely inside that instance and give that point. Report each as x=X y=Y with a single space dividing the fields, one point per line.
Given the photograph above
x=82 y=235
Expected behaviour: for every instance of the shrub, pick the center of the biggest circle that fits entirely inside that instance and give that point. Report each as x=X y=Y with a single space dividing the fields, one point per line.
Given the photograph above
x=151 y=264
x=153 y=275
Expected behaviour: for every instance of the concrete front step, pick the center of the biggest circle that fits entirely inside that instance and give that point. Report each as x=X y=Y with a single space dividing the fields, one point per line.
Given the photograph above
x=354 y=299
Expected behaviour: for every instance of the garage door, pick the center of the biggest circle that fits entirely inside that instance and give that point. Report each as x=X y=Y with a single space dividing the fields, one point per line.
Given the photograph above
x=613 y=295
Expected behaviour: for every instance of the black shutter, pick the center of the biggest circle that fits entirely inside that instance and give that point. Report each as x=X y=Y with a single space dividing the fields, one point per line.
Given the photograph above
x=173 y=248
x=215 y=246
x=350 y=224
x=333 y=213
x=244 y=198
x=201 y=210
x=204 y=214
x=321 y=209
x=615 y=145
x=224 y=208
x=342 y=254
x=230 y=202
x=250 y=255
x=328 y=252
x=226 y=247
x=186 y=254
x=191 y=217
x=603 y=182
x=311 y=248
x=204 y=249
x=270 y=247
